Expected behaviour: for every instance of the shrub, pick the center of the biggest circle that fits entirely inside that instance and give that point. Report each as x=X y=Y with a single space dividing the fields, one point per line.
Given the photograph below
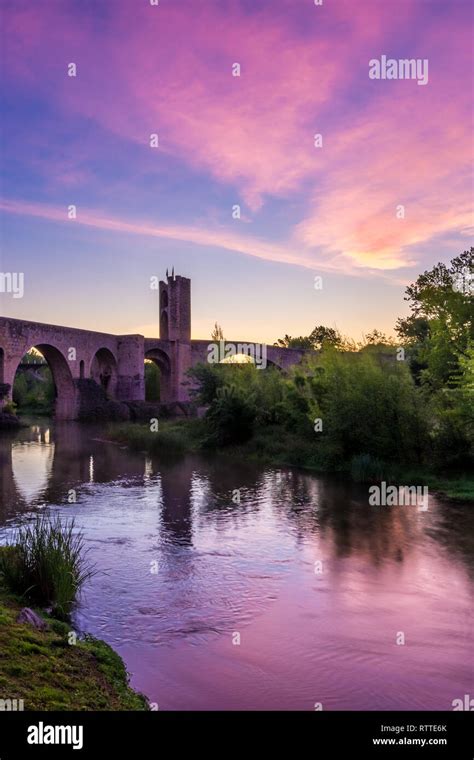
x=9 y=407
x=368 y=405
x=45 y=562
x=368 y=469
x=231 y=416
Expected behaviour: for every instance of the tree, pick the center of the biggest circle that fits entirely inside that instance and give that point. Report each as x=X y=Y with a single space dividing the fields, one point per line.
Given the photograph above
x=326 y=336
x=152 y=381
x=315 y=340
x=377 y=338
x=440 y=329
x=289 y=342
x=217 y=333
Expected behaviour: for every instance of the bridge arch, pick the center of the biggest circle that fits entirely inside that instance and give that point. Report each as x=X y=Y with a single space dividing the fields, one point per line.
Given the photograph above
x=162 y=360
x=273 y=363
x=104 y=371
x=65 y=404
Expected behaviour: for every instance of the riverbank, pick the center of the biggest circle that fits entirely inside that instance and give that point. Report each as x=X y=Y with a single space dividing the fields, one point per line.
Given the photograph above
x=277 y=447
x=47 y=672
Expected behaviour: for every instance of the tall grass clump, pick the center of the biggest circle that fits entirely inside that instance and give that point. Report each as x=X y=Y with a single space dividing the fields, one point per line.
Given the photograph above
x=170 y=440
x=46 y=562
x=368 y=469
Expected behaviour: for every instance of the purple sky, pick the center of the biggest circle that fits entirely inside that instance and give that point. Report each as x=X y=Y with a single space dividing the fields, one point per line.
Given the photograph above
x=227 y=140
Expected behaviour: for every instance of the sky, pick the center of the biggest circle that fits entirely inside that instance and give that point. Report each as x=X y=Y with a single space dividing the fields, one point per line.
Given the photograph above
x=385 y=195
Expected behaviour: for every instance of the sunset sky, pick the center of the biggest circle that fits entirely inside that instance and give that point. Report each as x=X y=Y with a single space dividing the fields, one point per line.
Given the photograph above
x=227 y=140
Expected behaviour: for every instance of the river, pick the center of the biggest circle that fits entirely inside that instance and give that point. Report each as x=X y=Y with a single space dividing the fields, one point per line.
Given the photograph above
x=228 y=585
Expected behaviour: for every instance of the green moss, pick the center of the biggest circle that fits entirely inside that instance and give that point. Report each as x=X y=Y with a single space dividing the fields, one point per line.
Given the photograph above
x=48 y=673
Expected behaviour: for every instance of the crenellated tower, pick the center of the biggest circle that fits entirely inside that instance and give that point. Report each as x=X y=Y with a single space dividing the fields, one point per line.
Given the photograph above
x=175 y=308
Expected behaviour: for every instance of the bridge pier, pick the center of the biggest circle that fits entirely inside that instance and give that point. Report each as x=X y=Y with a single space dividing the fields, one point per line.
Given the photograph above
x=131 y=369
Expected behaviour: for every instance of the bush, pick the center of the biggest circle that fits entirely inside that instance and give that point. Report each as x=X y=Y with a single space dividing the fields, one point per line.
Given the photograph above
x=34 y=392
x=368 y=469
x=152 y=381
x=231 y=417
x=170 y=440
x=9 y=407
x=368 y=406
x=45 y=562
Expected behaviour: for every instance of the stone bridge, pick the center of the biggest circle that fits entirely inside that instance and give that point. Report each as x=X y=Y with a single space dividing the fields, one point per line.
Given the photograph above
x=117 y=362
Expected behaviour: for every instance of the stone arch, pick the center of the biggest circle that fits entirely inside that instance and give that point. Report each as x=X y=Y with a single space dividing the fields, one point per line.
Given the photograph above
x=81 y=369
x=271 y=363
x=104 y=371
x=65 y=404
x=163 y=362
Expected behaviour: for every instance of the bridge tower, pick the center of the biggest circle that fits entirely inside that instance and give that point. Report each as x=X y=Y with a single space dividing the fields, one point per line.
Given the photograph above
x=175 y=308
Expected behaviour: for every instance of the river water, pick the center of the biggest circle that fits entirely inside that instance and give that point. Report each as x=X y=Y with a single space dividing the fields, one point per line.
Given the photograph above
x=298 y=596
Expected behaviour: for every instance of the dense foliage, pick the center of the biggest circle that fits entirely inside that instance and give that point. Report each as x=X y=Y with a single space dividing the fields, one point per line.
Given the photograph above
x=364 y=406
x=33 y=389
x=152 y=381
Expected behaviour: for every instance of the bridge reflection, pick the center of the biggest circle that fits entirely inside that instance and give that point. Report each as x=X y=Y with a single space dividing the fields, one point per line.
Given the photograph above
x=60 y=465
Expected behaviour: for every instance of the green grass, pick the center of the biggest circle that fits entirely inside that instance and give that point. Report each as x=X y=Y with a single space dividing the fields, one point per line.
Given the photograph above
x=274 y=445
x=461 y=489
x=48 y=673
x=173 y=437
x=46 y=563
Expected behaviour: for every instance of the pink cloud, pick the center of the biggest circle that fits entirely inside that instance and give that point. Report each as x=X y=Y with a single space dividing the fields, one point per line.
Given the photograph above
x=221 y=238
x=168 y=70
x=410 y=147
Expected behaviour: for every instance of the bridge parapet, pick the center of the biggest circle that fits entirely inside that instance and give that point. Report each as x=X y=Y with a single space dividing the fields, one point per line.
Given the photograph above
x=117 y=361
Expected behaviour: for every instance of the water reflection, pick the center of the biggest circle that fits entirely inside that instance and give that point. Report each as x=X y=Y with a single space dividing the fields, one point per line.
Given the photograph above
x=317 y=582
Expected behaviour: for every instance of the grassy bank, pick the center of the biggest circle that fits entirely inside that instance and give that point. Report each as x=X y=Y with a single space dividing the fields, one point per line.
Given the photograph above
x=173 y=437
x=273 y=445
x=43 y=661
x=49 y=673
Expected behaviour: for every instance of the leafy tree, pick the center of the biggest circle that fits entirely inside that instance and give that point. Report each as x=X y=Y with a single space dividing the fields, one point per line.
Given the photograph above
x=205 y=380
x=217 y=333
x=320 y=336
x=439 y=336
x=366 y=405
x=440 y=329
x=34 y=390
x=289 y=342
x=326 y=336
x=377 y=339
x=152 y=381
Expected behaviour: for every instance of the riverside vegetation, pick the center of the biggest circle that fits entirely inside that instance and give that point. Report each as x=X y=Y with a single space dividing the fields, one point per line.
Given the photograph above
x=48 y=666
x=383 y=409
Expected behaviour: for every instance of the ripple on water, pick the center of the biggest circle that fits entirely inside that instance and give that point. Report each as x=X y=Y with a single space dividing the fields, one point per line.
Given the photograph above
x=182 y=570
